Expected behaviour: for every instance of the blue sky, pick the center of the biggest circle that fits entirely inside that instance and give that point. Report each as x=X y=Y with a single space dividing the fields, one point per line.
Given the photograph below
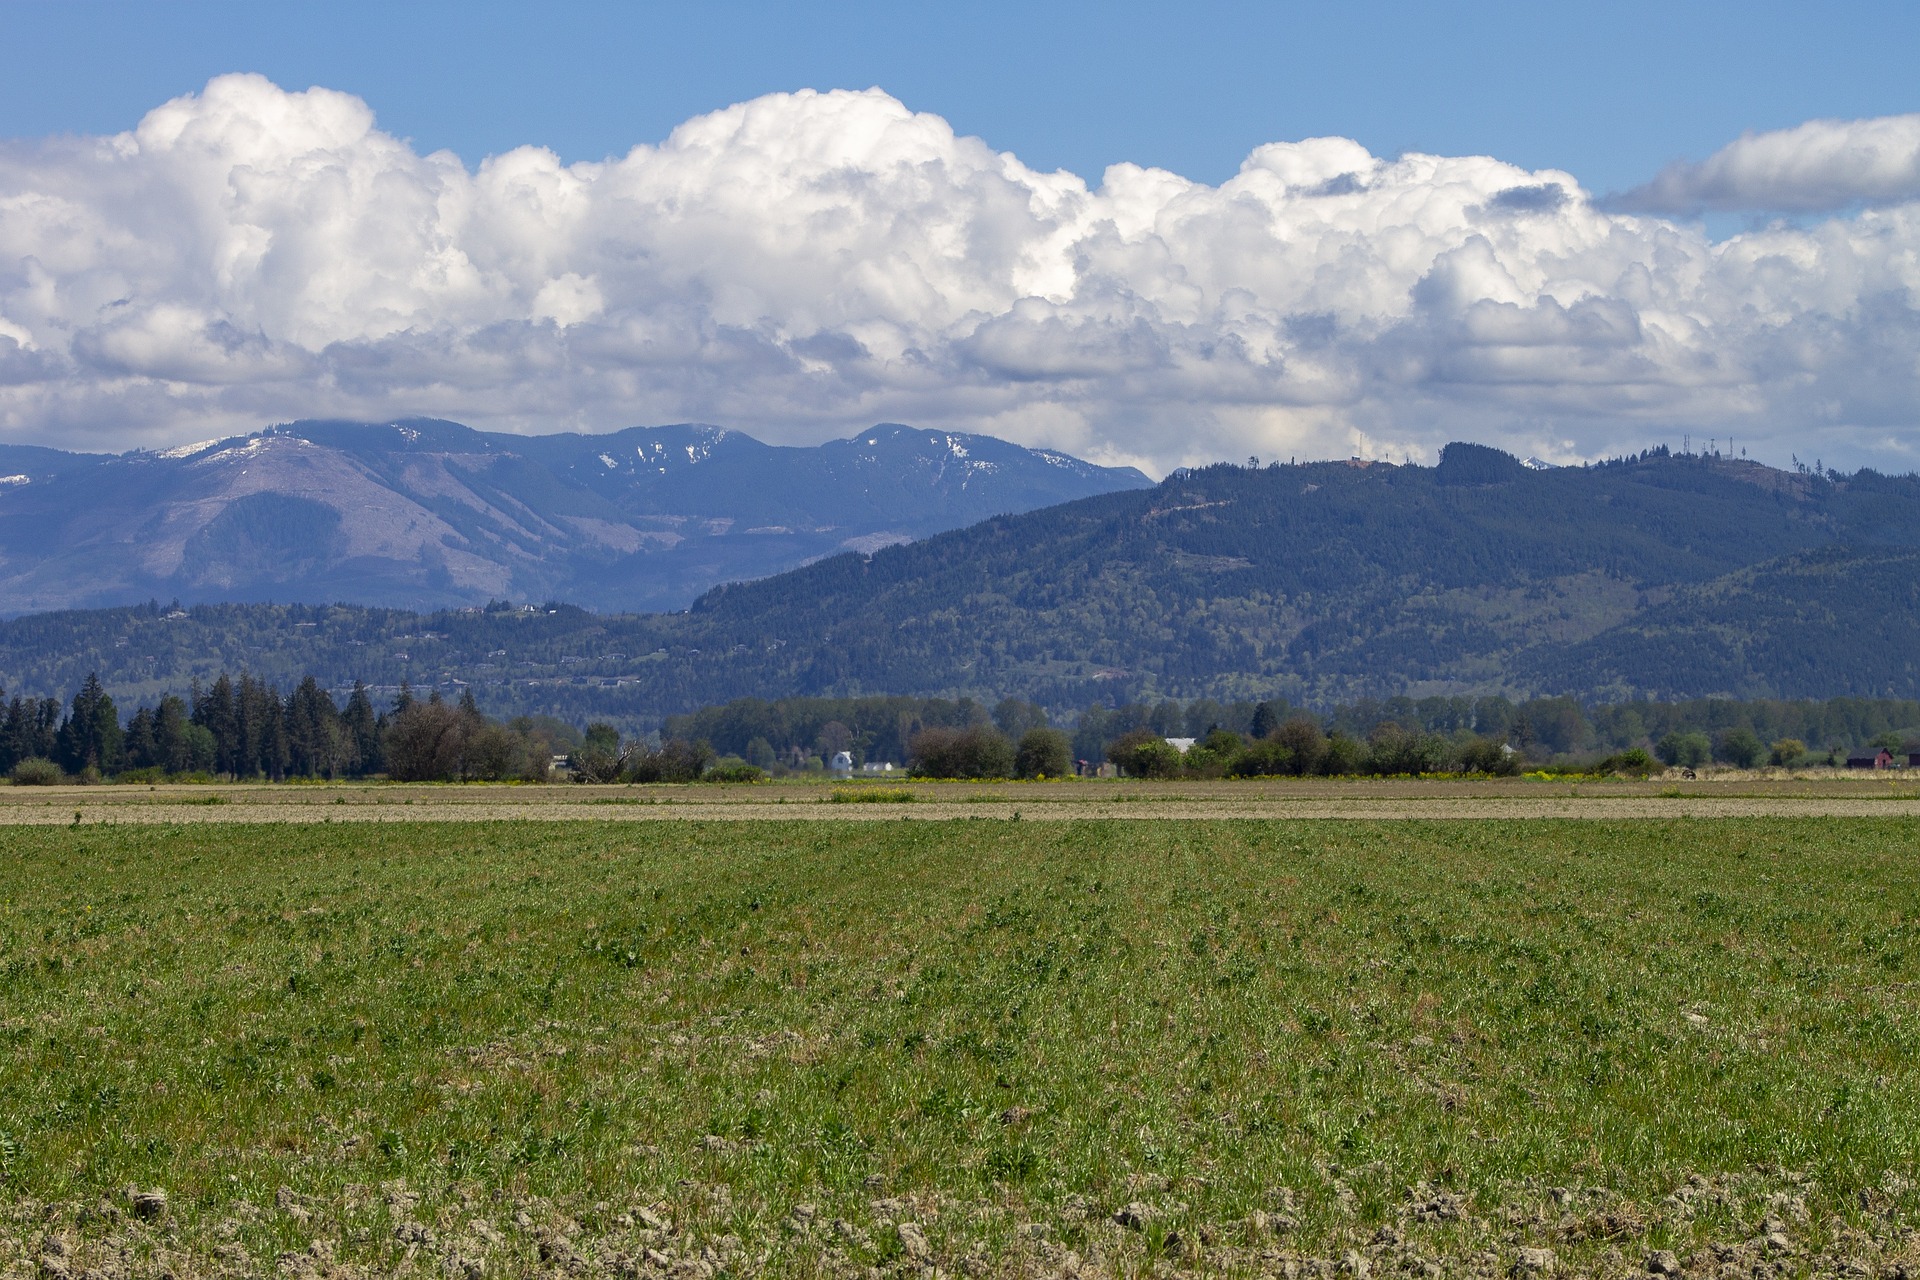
x=1608 y=92
x=1158 y=235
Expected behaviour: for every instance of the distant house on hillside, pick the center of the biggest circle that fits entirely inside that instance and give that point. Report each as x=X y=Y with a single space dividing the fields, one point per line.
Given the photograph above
x=1871 y=758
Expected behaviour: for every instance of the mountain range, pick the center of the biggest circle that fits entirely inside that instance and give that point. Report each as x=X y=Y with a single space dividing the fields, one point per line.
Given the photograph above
x=425 y=513
x=1658 y=576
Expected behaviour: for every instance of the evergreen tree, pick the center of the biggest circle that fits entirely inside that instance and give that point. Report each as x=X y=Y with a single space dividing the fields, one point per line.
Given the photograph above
x=214 y=711
x=91 y=736
x=172 y=744
x=363 y=730
x=316 y=739
x=15 y=732
x=29 y=731
x=264 y=729
x=44 y=738
x=139 y=746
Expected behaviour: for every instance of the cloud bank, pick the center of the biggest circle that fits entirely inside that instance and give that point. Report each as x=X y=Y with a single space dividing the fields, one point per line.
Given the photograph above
x=803 y=265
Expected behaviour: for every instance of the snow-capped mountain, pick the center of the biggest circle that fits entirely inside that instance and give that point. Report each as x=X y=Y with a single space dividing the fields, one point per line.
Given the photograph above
x=429 y=513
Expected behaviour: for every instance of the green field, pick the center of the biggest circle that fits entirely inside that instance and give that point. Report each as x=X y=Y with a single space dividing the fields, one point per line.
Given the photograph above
x=984 y=1046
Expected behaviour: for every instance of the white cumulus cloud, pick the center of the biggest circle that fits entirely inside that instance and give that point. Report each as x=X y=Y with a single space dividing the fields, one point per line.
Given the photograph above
x=1819 y=166
x=803 y=265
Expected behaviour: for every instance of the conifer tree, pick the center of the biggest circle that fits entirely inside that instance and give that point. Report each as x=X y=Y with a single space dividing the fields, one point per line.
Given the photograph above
x=214 y=712
x=29 y=731
x=316 y=739
x=172 y=743
x=362 y=727
x=264 y=728
x=91 y=736
x=138 y=746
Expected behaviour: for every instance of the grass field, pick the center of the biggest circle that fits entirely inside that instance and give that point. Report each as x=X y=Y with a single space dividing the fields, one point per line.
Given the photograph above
x=981 y=1046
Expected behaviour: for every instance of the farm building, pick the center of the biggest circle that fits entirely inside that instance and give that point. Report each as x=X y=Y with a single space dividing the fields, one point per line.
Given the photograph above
x=1871 y=758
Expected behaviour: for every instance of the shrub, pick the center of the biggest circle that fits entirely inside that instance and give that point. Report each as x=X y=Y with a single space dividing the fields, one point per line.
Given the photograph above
x=1787 y=751
x=599 y=758
x=979 y=751
x=1394 y=750
x=1683 y=749
x=1224 y=742
x=676 y=760
x=1488 y=755
x=1143 y=753
x=436 y=742
x=1739 y=747
x=1200 y=762
x=424 y=743
x=1043 y=753
x=491 y=753
x=1343 y=755
x=1633 y=762
x=1305 y=744
x=1562 y=769
x=1266 y=758
x=735 y=770
x=36 y=771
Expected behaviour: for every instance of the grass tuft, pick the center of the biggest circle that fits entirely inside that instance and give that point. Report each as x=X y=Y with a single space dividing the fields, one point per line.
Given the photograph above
x=871 y=795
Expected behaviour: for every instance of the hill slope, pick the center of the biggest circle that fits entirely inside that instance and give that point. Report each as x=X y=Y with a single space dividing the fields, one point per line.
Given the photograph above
x=1331 y=581
x=428 y=513
x=1659 y=576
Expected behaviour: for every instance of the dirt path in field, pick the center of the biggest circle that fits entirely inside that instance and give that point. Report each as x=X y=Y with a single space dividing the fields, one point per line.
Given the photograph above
x=256 y=804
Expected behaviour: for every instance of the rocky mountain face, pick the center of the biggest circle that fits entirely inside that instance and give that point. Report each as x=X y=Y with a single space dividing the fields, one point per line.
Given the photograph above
x=427 y=514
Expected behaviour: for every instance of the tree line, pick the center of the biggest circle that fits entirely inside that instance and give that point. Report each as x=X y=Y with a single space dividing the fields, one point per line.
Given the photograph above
x=804 y=733
x=1296 y=747
x=245 y=728
x=1369 y=735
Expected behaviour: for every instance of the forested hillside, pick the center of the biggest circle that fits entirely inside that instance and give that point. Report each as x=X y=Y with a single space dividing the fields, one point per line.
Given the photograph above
x=1658 y=576
x=1333 y=581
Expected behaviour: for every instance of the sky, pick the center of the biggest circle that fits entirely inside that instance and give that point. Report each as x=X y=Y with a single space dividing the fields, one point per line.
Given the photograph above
x=1138 y=233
